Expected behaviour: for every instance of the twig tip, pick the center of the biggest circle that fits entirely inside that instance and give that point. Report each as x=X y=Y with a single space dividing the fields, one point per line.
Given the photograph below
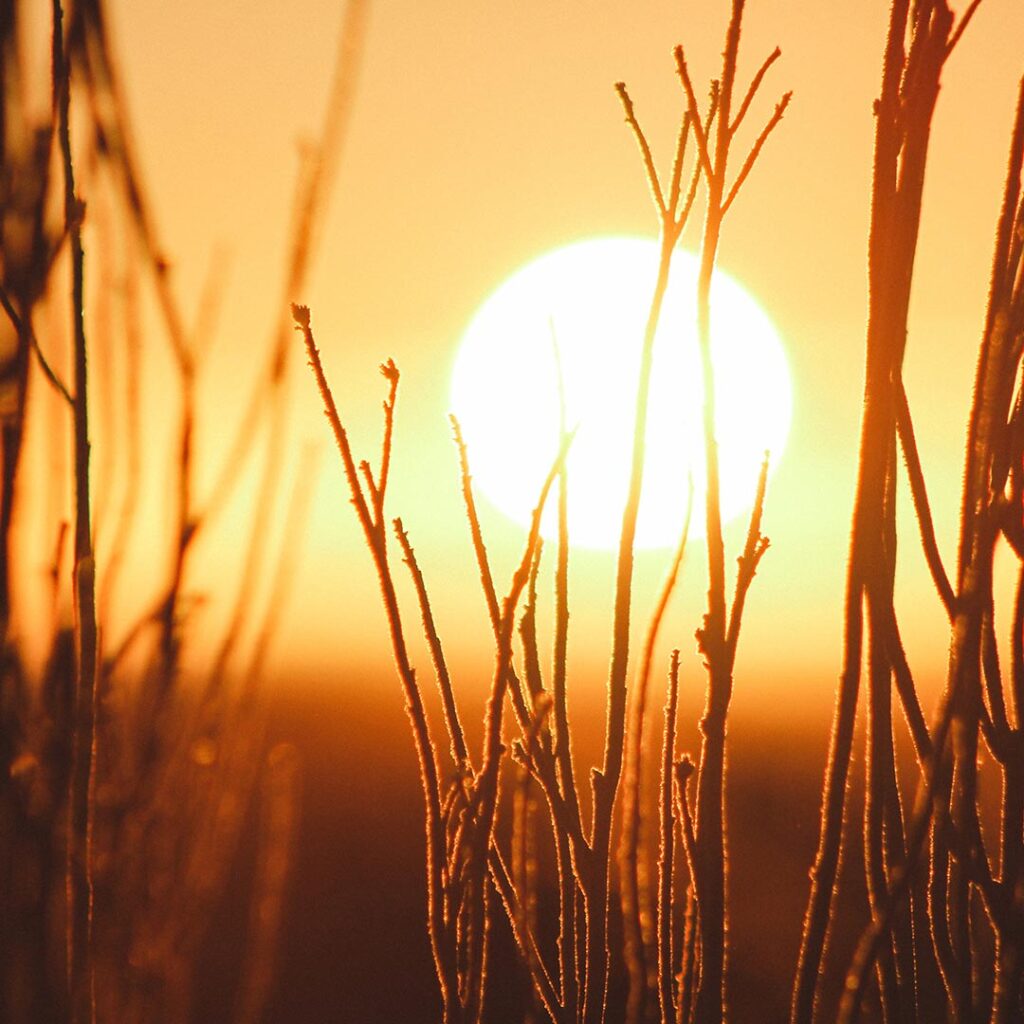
x=300 y=314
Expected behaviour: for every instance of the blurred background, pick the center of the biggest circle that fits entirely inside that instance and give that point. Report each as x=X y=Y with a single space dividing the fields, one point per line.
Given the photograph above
x=483 y=135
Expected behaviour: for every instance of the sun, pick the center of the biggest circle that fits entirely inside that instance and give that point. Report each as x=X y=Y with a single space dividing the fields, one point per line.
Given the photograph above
x=572 y=320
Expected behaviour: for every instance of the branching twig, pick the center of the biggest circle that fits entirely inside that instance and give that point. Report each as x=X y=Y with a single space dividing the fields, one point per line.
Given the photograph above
x=755 y=150
x=444 y=954
x=44 y=364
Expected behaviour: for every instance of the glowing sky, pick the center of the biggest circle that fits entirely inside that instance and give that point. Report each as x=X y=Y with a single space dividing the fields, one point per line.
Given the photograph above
x=488 y=133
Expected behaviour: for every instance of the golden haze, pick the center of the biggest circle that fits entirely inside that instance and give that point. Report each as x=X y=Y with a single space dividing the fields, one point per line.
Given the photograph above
x=487 y=134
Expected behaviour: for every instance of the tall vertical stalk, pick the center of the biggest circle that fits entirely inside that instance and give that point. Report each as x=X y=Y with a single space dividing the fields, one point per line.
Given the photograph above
x=719 y=634
x=920 y=38
x=80 y=891
x=673 y=211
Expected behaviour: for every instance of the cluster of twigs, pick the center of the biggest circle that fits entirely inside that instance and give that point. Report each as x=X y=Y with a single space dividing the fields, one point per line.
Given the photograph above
x=126 y=787
x=940 y=900
x=671 y=978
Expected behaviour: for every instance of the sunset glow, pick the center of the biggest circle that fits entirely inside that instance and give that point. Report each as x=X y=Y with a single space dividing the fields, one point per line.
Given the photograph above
x=590 y=300
x=363 y=366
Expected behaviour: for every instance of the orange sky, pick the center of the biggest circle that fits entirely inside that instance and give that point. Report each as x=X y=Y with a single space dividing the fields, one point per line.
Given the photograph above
x=486 y=134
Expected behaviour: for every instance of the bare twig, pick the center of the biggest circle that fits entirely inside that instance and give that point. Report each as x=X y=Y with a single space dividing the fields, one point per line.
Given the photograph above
x=460 y=752
x=961 y=27
x=903 y=119
x=666 y=849
x=629 y=843
x=922 y=508
x=525 y=939
x=81 y=801
x=44 y=364
x=753 y=552
x=755 y=84
x=444 y=953
x=645 y=149
x=755 y=150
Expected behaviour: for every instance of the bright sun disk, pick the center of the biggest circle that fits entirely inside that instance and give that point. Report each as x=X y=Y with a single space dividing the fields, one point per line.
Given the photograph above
x=592 y=298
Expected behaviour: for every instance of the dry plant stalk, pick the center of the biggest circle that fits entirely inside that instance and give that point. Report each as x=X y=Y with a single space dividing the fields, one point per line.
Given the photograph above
x=927 y=924
x=124 y=787
x=466 y=866
x=922 y=924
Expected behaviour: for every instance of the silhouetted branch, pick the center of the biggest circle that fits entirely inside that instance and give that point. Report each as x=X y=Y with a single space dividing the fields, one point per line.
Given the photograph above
x=666 y=848
x=444 y=954
x=961 y=27
x=525 y=940
x=755 y=84
x=460 y=752
x=748 y=164
x=479 y=548
x=629 y=843
x=645 y=149
x=80 y=879
x=922 y=508
x=753 y=552
x=703 y=152
x=903 y=120
x=44 y=364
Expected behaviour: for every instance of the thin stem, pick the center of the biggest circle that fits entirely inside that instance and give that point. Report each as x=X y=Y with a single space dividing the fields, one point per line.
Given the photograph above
x=645 y=149
x=460 y=752
x=528 y=634
x=676 y=185
x=566 y=810
x=632 y=811
x=700 y=134
x=81 y=804
x=780 y=109
x=962 y=26
x=606 y=781
x=690 y=970
x=922 y=508
x=444 y=955
x=563 y=737
x=666 y=849
x=524 y=937
x=23 y=328
x=486 y=790
x=479 y=548
x=903 y=120
x=753 y=552
x=755 y=84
